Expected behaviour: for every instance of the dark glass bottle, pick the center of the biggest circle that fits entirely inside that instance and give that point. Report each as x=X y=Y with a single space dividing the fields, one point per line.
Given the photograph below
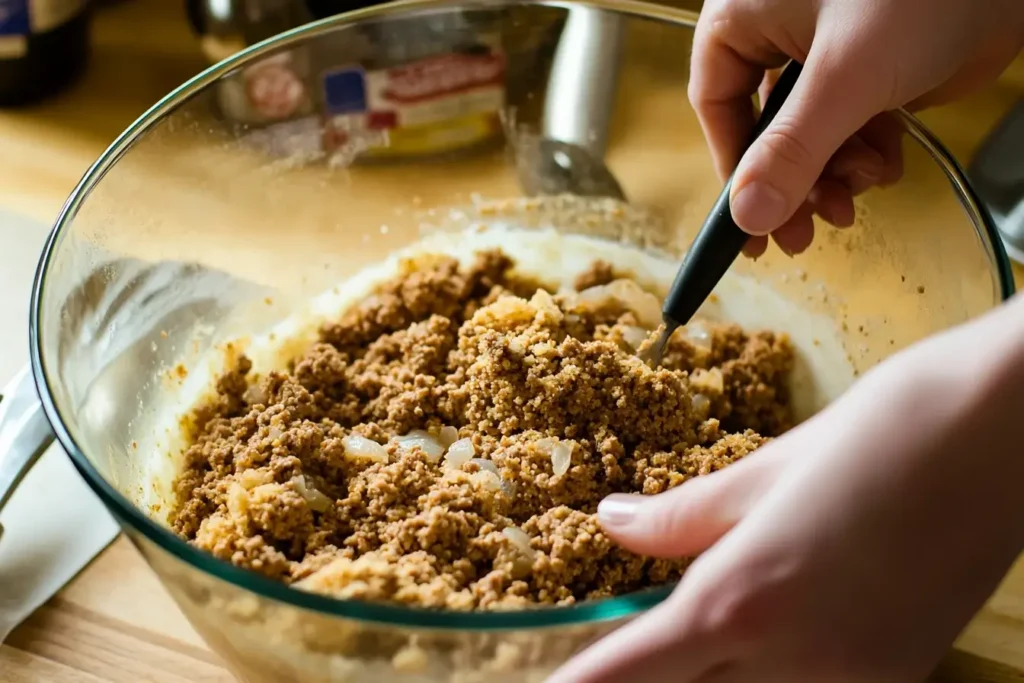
x=44 y=45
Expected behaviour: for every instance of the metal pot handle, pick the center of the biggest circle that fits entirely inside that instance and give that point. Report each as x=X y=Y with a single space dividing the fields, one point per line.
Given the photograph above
x=25 y=433
x=583 y=80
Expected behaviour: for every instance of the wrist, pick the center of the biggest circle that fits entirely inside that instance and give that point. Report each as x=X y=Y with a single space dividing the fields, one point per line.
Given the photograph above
x=1001 y=356
x=994 y=421
x=960 y=422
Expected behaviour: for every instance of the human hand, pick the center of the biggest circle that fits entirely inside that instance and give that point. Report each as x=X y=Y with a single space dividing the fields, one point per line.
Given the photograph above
x=832 y=139
x=852 y=549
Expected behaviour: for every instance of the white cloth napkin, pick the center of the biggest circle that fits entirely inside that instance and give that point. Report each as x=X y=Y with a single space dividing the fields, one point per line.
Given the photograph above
x=53 y=525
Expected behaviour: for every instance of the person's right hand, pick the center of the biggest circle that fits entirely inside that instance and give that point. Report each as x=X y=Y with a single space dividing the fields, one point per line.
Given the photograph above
x=832 y=139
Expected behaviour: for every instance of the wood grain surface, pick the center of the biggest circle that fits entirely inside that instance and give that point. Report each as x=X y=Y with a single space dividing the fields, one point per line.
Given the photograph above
x=115 y=623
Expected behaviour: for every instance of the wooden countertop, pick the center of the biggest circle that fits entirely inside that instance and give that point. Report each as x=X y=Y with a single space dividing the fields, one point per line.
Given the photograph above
x=115 y=622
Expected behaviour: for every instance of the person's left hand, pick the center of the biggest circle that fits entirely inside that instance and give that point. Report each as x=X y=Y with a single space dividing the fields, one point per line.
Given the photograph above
x=852 y=549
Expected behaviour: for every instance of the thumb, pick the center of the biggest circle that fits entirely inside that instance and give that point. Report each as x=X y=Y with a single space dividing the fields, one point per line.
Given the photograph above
x=836 y=94
x=691 y=518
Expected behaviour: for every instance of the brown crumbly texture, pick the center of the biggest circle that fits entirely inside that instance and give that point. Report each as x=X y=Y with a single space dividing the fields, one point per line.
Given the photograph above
x=270 y=485
x=599 y=273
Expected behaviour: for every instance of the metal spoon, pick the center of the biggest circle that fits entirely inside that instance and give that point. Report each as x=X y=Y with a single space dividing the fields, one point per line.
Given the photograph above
x=568 y=157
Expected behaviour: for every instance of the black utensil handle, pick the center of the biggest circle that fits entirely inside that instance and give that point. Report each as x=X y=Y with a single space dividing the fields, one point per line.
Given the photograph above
x=720 y=240
x=777 y=97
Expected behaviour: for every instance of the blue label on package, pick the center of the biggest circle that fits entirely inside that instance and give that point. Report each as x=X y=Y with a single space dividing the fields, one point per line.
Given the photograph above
x=344 y=91
x=14 y=18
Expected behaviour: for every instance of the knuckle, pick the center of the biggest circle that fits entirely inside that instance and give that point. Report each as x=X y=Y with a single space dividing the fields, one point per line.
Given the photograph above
x=783 y=142
x=680 y=509
x=695 y=92
x=741 y=604
x=736 y=613
x=672 y=524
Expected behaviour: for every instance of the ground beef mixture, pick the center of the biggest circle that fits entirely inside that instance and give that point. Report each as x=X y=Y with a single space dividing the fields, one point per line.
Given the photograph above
x=446 y=443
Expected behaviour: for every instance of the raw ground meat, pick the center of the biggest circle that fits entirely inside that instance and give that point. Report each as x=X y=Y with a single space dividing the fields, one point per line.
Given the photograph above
x=301 y=476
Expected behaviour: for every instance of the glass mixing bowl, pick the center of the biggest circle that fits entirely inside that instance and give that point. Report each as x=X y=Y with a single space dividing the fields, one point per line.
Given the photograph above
x=236 y=197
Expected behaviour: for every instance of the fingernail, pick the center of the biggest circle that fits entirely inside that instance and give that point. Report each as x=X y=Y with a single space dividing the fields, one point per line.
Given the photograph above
x=826 y=214
x=868 y=176
x=861 y=181
x=759 y=208
x=618 y=509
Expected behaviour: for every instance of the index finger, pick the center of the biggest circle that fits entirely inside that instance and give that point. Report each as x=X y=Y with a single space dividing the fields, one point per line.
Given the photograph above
x=729 y=62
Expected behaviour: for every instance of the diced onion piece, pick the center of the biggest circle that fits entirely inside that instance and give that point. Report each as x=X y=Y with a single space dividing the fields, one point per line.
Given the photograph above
x=316 y=499
x=459 y=453
x=516 y=346
x=448 y=436
x=644 y=304
x=631 y=295
x=359 y=447
x=519 y=538
x=255 y=394
x=701 y=404
x=545 y=445
x=275 y=433
x=711 y=380
x=598 y=294
x=699 y=335
x=561 y=458
x=488 y=475
x=485 y=464
x=430 y=446
x=634 y=336
x=488 y=479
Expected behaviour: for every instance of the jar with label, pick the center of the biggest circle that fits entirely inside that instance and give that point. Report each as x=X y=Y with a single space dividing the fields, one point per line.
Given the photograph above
x=44 y=45
x=433 y=85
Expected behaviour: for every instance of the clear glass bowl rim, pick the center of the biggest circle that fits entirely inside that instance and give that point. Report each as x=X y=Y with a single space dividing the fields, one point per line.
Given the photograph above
x=382 y=614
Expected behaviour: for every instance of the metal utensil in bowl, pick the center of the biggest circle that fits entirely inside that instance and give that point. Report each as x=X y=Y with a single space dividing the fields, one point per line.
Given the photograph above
x=568 y=156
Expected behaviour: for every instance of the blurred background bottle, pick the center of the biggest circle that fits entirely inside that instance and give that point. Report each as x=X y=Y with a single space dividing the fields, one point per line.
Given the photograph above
x=44 y=45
